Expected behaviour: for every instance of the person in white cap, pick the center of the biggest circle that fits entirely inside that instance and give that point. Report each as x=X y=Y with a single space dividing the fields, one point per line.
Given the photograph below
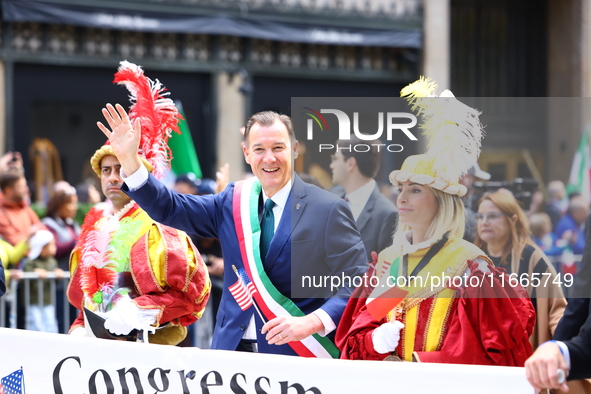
x=41 y=260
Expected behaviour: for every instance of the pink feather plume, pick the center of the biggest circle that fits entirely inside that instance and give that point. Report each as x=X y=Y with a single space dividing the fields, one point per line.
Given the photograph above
x=158 y=114
x=95 y=257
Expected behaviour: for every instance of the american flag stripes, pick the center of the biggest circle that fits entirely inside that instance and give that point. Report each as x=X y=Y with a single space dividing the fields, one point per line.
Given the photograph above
x=243 y=290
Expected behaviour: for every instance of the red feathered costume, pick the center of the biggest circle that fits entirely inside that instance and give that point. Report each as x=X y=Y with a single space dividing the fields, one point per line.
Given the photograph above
x=166 y=272
x=157 y=266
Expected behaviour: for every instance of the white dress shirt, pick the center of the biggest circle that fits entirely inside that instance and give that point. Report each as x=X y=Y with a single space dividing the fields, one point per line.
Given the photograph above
x=358 y=198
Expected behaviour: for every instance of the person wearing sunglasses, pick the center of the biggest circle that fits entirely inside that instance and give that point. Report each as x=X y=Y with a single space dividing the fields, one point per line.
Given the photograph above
x=503 y=233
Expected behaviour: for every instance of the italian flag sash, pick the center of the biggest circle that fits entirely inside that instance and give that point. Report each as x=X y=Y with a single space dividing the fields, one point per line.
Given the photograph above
x=269 y=300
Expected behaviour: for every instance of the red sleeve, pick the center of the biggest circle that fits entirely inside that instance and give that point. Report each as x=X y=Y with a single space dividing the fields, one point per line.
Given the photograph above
x=78 y=322
x=74 y=291
x=34 y=218
x=353 y=335
x=491 y=325
x=7 y=231
x=355 y=342
x=187 y=285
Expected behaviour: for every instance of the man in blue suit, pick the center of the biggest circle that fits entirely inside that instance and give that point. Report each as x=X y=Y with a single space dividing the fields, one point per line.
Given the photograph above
x=300 y=278
x=570 y=349
x=375 y=215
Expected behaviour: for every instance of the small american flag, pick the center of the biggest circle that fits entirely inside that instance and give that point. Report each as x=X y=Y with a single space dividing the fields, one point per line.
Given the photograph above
x=13 y=383
x=243 y=290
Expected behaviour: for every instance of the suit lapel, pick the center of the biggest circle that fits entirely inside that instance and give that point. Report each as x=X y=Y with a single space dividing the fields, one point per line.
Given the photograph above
x=298 y=202
x=365 y=215
x=291 y=215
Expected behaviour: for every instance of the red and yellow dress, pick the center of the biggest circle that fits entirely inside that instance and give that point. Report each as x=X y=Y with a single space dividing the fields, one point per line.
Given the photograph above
x=159 y=266
x=476 y=321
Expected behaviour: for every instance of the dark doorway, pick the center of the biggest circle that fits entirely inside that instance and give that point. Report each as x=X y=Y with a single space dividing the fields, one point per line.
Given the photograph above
x=498 y=48
x=63 y=104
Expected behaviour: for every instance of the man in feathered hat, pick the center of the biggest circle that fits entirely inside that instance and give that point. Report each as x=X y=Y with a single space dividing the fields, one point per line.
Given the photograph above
x=138 y=275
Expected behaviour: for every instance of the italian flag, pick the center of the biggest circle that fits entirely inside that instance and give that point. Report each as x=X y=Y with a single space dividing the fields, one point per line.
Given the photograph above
x=184 y=156
x=580 y=171
x=379 y=305
x=386 y=296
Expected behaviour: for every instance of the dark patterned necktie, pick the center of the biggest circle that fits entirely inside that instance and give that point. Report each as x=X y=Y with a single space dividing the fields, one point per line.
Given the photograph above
x=267 y=227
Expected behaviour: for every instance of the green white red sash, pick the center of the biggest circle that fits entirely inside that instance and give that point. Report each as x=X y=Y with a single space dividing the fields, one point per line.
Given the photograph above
x=269 y=300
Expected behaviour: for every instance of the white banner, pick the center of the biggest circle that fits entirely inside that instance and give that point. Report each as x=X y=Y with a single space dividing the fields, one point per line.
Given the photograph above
x=54 y=363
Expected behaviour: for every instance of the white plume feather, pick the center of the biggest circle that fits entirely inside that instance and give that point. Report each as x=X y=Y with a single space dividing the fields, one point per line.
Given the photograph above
x=453 y=129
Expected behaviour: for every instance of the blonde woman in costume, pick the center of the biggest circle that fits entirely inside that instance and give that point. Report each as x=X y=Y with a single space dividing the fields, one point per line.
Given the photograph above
x=453 y=323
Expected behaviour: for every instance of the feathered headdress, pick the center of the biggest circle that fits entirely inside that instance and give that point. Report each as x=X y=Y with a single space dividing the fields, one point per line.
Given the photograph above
x=453 y=132
x=158 y=114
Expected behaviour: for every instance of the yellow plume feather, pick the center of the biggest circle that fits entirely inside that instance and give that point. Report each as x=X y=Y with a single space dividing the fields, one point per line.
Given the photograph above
x=417 y=92
x=452 y=128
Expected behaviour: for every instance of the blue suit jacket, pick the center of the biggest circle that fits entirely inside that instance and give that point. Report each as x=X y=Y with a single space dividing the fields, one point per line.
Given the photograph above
x=575 y=326
x=377 y=222
x=316 y=237
x=2 y=278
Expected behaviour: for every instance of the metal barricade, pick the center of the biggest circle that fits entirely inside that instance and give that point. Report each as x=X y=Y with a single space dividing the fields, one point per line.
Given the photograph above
x=10 y=303
x=14 y=302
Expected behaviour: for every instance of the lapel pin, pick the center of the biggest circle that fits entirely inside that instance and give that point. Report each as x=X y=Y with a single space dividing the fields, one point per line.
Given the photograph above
x=298 y=206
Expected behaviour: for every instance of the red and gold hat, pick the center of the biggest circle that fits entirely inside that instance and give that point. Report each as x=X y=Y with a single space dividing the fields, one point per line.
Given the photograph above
x=107 y=150
x=453 y=131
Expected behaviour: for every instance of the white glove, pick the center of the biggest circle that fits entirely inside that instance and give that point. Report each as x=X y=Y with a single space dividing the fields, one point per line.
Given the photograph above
x=126 y=316
x=385 y=338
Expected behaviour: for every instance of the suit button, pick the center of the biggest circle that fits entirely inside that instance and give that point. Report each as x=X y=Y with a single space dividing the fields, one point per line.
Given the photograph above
x=242 y=327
